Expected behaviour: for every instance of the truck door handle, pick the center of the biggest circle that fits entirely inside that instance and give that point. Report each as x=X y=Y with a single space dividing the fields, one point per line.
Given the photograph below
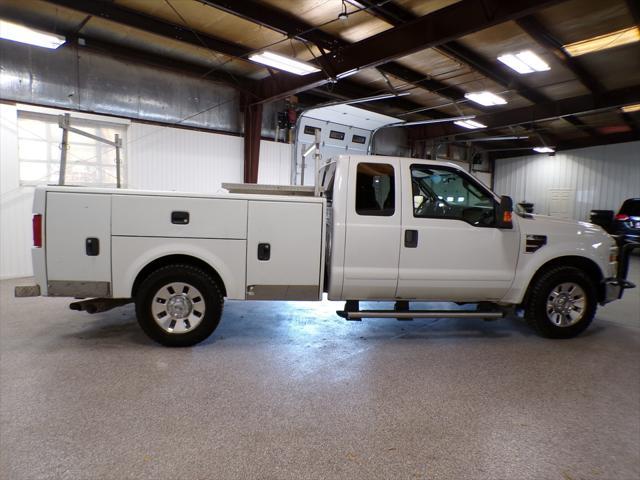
x=180 y=218
x=92 y=246
x=411 y=238
x=264 y=251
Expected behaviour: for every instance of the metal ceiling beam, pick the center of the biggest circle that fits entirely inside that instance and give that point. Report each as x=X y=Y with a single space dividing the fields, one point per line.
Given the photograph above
x=634 y=9
x=276 y=19
x=396 y=15
x=110 y=11
x=432 y=30
x=544 y=38
x=292 y=26
x=573 y=144
x=550 y=110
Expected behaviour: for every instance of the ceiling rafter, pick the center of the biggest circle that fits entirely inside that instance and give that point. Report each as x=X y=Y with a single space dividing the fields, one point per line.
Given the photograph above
x=397 y=15
x=123 y=16
x=432 y=30
x=293 y=27
x=545 y=111
x=572 y=144
x=532 y=26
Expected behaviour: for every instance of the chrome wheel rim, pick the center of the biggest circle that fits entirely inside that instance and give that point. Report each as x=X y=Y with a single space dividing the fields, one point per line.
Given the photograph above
x=178 y=307
x=566 y=304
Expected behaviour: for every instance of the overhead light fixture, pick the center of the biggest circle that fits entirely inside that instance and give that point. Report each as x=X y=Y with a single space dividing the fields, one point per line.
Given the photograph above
x=485 y=98
x=471 y=124
x=631 y=108
x=375 y=98
x=524 y=62
x=20 y=33
x=544 y=149
x=434 y=120
x=603 y=42
x=284 y=63
x=343 y=16
x=495 y=139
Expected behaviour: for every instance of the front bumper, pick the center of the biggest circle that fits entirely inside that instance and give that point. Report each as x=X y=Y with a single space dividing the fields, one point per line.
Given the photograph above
x=614 y=287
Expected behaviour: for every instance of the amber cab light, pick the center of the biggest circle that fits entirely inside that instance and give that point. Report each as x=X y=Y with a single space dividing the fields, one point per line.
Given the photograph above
x=622 y=217
x=37 y=230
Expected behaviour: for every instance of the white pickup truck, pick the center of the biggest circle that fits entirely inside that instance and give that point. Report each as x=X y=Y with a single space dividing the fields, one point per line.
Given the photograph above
x=381 y=229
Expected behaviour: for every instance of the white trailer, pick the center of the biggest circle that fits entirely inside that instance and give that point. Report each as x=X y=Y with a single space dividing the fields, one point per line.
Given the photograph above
x=382 y=229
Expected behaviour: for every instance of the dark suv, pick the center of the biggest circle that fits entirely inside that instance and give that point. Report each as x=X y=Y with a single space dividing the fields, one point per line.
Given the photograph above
x=625 y=225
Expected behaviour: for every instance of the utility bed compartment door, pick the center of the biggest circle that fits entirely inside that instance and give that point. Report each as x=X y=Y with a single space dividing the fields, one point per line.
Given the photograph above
x=181 y=217
x=284 y=250
x=78 y=237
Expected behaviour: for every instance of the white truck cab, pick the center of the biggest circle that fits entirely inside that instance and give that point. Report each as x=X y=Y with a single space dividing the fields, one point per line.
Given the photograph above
x=382 y=229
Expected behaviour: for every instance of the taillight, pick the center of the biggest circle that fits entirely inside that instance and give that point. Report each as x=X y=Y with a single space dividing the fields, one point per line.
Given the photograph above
x=622 y=217
x=37 y=230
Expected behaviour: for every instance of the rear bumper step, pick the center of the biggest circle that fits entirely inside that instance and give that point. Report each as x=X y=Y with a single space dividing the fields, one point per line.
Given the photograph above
x=409 y=314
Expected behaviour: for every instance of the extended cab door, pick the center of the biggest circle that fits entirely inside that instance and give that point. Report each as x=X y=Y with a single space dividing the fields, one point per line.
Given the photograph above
x=373 y=221
x=451 y=249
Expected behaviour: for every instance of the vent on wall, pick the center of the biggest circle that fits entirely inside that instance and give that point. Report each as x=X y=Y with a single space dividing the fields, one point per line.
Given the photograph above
x=535 y=243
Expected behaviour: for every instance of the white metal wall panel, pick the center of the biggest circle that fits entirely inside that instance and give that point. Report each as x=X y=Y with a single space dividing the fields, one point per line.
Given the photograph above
x=174 y=159
x=275 y=163
x=15 y=202
x=602 y=177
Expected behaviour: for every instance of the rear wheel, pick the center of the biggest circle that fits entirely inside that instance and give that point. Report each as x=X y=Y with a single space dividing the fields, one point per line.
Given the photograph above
x=562 y=303
x=179 y=305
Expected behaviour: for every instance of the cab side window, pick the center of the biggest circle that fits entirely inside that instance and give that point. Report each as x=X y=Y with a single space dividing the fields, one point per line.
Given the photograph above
x=445 y=193
x=375 y=189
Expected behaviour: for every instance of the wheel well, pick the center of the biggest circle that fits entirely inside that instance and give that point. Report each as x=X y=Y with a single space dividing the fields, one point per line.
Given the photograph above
x=176 y=259
x=587 y=265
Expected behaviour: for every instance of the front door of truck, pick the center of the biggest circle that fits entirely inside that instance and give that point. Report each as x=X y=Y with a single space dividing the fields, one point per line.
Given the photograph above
x=451 y=249
x=373 y=221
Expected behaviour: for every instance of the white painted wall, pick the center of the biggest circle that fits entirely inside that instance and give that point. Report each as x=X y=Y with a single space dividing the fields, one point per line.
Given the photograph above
x=155 y=158
x=598 y=177
x=174 y=159
x=15 y=202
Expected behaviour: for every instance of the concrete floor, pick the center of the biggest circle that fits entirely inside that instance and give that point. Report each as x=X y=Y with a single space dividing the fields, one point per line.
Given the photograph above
x=290 y=391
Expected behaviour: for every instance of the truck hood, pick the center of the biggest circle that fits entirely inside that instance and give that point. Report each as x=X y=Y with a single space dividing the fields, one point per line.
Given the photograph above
x=583 y=233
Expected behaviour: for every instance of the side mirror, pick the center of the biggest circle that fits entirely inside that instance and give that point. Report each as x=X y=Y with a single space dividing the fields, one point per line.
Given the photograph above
x=504 y=213
x=604 y=218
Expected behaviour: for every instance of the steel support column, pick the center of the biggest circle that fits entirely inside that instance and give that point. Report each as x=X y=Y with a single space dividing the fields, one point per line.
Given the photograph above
x=252 y=129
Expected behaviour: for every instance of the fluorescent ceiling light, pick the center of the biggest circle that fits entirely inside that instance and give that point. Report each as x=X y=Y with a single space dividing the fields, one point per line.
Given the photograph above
x=603 y=42
x=436 y=120
x=376 y=97
x=20 y=33
x=524 y=62
x=284 y=63
x=631 y=108
x=471 y=124
x=485 y=98
x=544 y=149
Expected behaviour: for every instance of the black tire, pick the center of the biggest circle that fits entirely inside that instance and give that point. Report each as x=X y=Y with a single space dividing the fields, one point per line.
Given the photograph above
x=541 y=292
x=209 y=299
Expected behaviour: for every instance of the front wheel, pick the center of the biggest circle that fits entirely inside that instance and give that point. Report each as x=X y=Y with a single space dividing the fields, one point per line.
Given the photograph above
x=179 y=305
x=562 y=303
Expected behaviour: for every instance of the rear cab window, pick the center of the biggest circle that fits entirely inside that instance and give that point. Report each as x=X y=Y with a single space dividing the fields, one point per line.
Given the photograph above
x=375 y=189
